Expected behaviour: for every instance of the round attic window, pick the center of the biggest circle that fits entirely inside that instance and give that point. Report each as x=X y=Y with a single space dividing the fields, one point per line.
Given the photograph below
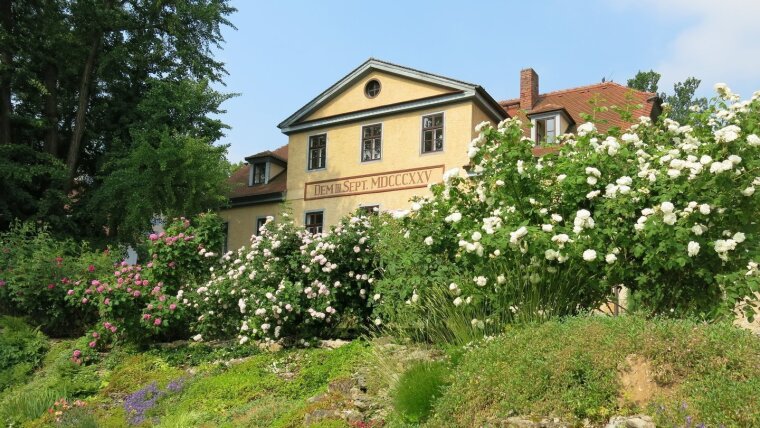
x=372 y=88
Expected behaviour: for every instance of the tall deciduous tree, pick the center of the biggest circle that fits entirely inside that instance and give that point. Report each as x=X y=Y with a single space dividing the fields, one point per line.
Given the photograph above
x=79 y=81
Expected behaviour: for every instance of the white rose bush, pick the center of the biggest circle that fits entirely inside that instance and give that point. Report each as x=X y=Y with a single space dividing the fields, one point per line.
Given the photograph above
x=290 y=283
x=666 y=209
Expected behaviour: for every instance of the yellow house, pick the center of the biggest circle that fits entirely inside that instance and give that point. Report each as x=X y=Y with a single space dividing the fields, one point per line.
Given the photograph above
x=383 y=133
x=377 y=138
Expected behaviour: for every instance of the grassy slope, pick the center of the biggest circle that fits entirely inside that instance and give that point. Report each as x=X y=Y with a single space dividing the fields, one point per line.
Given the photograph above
x=568 y=369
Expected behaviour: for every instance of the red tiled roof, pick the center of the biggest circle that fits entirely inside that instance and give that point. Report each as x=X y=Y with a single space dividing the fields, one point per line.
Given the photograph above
x=277 y=184
x=576 y=101
x=240 y=187
x=281 y=153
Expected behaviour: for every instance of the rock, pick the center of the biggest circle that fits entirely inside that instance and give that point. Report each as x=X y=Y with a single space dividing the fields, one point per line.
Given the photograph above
x=522 y=422
x=341 y=386
x=637 y=421
x=319 y=415
x=333 y=344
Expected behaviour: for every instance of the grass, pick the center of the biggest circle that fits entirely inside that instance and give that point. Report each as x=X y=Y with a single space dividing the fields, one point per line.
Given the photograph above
x=418 y=388
x=570 y=369
x=22 y=349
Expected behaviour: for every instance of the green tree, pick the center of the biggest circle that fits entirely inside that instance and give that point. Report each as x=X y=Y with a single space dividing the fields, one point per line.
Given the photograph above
x=83 y=81
x=680 y=100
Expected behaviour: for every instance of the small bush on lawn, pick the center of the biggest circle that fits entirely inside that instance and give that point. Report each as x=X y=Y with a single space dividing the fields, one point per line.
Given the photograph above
x=21 y=351
x=418 y=388
x=571 y=370
x=36 y=270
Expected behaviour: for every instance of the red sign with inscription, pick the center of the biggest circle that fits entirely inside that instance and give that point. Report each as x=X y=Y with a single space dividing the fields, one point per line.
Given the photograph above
x=373 y=183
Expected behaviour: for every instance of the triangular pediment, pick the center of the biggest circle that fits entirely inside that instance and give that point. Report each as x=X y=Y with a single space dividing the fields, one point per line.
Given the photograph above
x=398 y=85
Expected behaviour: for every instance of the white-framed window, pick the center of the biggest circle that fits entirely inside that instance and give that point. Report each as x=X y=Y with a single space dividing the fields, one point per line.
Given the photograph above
x=259 y=173
x=314 y=221
x=545 y=128
x=432 y=133
x=317 y=154
x=260 y=221
x=372 y=142
x=226 y=237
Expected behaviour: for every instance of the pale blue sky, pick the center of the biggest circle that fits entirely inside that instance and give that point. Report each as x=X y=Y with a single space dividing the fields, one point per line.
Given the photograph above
x=284 y=53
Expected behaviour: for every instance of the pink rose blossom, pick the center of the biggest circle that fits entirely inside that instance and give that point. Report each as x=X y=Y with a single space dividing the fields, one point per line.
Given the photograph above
x=172 y=307
x=51 y=286
x=157 y=321
x=95 y=282
x=95 y=334
x=107 y=301
x=91 y=268
x=84 y=301
x=77 y=353
x=136 y=293
x=92 y=344
x=70 y=292
x=146 y=316
x=153 y=237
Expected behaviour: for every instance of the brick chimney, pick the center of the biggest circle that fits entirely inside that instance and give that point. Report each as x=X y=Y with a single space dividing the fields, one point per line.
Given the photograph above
x=528 y=89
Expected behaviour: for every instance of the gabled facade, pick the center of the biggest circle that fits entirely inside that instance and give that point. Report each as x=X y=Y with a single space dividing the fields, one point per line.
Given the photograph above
x=377 y=138
x=383 y=133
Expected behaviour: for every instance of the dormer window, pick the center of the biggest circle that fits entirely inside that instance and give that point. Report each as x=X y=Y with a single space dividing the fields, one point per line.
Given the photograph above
x=549 y=124
x=546 y=130
x=259 y=173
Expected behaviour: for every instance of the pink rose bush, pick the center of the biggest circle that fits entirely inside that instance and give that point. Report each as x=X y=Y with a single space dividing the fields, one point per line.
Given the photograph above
x=36 y=272
x=141 y=303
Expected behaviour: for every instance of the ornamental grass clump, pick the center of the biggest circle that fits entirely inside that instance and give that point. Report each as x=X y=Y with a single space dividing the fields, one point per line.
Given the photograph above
x=666 y=209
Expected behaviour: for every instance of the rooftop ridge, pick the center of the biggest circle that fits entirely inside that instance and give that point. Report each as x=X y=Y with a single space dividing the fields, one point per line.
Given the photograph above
x=579 y=89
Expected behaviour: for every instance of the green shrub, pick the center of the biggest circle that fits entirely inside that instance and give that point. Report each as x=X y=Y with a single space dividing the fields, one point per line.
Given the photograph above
x=418 y=388
x=37 y=269
x=21 y=351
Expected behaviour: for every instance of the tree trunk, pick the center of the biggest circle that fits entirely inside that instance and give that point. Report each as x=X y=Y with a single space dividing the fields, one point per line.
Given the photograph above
x=51 y=109
x=6 y=22
x=72 y=160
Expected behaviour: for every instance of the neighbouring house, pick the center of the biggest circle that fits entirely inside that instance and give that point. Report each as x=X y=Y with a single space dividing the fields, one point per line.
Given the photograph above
x=257 y=192
x=383 y=133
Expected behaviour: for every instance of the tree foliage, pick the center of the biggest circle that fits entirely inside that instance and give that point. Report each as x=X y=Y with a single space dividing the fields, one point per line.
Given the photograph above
x=99 y=86
x=679 y=101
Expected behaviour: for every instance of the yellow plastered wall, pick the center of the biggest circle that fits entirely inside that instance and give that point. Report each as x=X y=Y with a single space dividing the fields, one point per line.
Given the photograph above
x=274 y=170
x=401 y=150
x=241 y=222
x=478 y=116
x=393 y=89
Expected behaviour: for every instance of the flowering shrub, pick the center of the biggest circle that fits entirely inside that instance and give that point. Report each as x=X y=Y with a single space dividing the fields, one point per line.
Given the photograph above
x=289 y=282
x=36 y=270
x=138 y=303
x=666 y=209
x=185 y=251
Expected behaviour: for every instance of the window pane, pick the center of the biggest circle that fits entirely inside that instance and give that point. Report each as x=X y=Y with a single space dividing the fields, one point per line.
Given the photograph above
x=438 y=120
